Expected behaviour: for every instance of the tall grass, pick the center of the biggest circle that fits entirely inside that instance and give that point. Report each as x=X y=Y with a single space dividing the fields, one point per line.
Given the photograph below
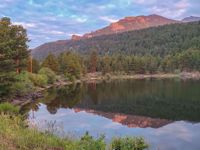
x=15 y=135
x=7 y=108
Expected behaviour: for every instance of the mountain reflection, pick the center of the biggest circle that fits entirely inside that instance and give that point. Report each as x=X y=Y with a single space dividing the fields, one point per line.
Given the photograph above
x=132 y=121
x=135 y=103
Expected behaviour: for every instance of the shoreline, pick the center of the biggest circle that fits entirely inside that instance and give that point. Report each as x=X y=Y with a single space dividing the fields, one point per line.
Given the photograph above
x=182 y=75
x=98 y=77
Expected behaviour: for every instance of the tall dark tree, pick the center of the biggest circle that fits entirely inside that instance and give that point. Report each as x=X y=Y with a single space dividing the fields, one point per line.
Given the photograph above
x=13 y=50
x=93 y=61
x=35 y=66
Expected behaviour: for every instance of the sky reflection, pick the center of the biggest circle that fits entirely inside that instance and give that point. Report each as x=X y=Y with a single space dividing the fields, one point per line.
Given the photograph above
x=174 y=136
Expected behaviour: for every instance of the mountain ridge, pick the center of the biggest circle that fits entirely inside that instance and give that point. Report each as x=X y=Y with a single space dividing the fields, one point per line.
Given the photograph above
x=114 y=42
x=191 y=19
x=129 y=23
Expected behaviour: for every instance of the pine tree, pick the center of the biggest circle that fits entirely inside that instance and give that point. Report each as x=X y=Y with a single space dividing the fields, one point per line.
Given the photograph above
x=70 y=64
x=13 y=50
x=51 y=62
x=93 y=62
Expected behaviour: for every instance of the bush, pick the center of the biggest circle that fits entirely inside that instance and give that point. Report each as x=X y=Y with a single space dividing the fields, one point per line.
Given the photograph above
x=87 y=142
x=39 y=80
x=128 y=143
x=7 y=108
x=51 y=76
x=70 y=77
x=23 y=84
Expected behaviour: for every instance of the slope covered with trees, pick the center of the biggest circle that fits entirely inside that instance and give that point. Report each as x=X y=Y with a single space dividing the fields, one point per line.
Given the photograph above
x=156 y=41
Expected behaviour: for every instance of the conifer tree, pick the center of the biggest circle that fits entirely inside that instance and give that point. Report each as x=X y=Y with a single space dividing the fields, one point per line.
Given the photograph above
x=13 y=50
x=51 y=62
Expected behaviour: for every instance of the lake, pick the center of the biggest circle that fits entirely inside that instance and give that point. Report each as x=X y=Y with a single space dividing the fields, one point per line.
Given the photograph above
x=166 y=112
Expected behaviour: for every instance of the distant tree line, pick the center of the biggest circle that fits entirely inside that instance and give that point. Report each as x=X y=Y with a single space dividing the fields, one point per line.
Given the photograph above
x=73 y=64
x=157 y=41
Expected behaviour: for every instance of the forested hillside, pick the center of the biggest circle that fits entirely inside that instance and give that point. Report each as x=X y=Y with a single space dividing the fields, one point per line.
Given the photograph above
x=157 y=41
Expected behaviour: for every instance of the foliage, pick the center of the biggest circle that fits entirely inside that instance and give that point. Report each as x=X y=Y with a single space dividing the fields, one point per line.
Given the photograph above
x=73 y=66
x=7 y=108
x=13 y=52
x=51 y=62
x=128 y=144
x=184 y=61
x=70 y=64
x=87 y=142
x=39 y=79
x=23 y=84
x=51 y=76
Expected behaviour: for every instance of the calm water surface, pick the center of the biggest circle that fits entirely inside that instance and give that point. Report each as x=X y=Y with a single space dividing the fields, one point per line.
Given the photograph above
x=165 y=112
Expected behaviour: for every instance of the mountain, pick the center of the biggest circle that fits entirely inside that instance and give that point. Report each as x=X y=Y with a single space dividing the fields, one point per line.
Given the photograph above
x=129 y=24
x=157 y=41
x=191 y=19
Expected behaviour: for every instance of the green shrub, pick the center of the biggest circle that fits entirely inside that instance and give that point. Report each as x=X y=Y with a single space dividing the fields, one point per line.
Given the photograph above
x=7 y=108
x=23 y=84
x=87 y=142
x=51 y=76
x=70 y=77
x=128 y=143
x=39 y=80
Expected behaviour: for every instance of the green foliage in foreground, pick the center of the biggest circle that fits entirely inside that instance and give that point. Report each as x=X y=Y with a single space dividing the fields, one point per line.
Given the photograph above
x=7 y=108
x=14 y=134
x=128 y=143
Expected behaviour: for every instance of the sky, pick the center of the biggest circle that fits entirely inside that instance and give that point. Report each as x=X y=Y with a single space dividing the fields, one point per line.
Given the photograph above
x=52 y=20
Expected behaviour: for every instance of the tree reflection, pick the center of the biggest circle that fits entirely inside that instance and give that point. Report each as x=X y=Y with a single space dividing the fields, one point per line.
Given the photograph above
x=166 y=99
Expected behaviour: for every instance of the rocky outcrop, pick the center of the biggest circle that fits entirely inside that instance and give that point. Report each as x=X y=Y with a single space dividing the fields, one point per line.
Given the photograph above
x=76 y=37
x=130 y=24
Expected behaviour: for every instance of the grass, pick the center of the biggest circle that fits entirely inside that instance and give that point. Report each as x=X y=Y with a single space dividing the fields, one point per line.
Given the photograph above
x=7 y=108
x=15 y=135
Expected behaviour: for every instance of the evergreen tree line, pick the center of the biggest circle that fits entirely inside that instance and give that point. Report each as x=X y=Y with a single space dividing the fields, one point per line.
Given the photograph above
x=74 y=65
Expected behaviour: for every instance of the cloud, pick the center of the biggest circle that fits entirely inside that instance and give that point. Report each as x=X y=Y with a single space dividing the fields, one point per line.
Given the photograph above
x=170 y=8
x=144 y=2
x=56 y=32
x=108 y=19
x=26 y=25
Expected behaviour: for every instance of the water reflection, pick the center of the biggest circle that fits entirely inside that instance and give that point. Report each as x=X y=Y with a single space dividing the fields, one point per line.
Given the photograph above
x=165 y=112
x=131 y=121
x=174 y=136
x=165 y=99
